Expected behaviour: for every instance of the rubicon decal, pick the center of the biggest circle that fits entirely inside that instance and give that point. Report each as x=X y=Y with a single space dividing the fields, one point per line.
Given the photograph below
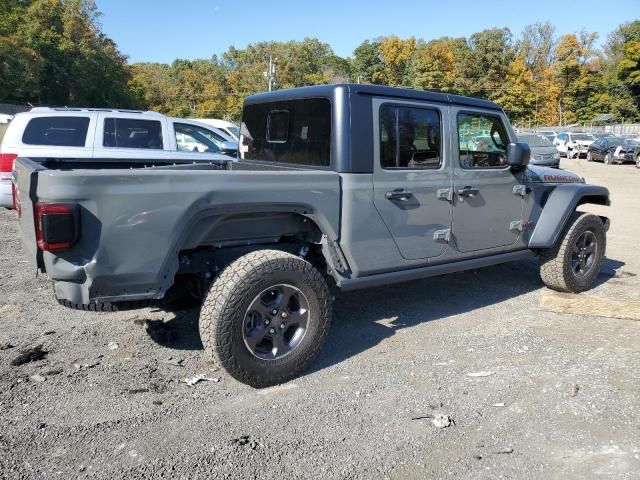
x=559 y=178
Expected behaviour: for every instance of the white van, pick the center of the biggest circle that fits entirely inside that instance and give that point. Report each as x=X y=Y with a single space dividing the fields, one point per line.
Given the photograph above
x=229 y=128
x=85 y=133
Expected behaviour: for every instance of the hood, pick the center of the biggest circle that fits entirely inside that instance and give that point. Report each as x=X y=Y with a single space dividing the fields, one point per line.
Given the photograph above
x=535 y=174
x=584 y=143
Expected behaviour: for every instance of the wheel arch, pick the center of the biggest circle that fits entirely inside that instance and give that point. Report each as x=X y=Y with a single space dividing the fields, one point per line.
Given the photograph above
x=240 y=229
x=561 y=203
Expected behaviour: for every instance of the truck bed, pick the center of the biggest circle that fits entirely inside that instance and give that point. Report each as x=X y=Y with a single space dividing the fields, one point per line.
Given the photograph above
x=135 y=217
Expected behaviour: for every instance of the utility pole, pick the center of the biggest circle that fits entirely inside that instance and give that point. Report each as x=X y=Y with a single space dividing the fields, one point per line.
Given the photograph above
x=270 y=74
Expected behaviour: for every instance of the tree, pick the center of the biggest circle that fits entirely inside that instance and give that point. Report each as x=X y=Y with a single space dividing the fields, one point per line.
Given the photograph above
x=518 y=94
x=367 y=63
x=62 y=53
x=19 y=71
x=433 y=66
x=536 y=46
x=484 y=64
x=395 y=54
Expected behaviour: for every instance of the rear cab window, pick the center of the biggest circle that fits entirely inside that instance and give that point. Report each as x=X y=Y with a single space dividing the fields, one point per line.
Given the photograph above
x=56 y=131
x=296 y=132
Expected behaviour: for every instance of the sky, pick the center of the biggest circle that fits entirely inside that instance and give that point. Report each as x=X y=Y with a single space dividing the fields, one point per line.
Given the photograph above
x=162 y=30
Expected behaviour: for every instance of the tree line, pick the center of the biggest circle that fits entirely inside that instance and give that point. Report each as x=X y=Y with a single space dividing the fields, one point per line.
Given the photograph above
x=54 y=52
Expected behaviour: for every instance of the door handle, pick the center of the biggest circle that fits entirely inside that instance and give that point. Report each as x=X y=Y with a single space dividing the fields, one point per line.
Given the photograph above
x=468 y=192
x=400 y=194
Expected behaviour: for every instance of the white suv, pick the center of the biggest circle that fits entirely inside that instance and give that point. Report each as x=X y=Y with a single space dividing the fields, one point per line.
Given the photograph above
x=573 y=144
x=86 y=133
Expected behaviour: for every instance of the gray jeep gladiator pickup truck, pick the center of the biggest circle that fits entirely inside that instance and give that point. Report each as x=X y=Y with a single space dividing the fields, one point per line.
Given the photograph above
x=346 y=186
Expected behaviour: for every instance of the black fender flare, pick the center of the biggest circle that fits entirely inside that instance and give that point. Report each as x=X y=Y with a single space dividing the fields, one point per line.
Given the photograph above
x=560 y=204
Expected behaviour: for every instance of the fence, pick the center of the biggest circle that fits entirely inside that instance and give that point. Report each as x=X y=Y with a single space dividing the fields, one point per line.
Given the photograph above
x=623 y=129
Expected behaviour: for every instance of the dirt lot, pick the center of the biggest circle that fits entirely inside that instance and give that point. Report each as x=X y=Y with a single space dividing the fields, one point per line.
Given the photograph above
x=554 y=396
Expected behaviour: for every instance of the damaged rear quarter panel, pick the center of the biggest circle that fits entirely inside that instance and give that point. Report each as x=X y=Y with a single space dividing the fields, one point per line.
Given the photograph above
x=146 y=216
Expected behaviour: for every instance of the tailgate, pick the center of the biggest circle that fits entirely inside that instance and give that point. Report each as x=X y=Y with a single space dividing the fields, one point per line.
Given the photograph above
x=25 y=181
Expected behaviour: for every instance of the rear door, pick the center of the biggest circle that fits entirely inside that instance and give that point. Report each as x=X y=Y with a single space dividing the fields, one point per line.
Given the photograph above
x=122 y=137
x=487 y=210
x=412 y=176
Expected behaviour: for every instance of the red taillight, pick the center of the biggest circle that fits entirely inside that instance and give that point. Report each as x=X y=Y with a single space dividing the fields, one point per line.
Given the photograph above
x=6 y=162
x=56 y=225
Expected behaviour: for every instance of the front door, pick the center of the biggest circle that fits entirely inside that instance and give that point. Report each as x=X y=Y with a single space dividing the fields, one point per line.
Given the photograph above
x=412 y=179
x=487 y=210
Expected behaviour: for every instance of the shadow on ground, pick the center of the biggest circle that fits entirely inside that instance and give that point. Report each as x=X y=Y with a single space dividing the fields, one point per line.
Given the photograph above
x=357 y=315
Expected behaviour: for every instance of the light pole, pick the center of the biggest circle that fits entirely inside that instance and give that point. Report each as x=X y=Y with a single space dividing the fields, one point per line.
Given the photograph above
x=270 y=74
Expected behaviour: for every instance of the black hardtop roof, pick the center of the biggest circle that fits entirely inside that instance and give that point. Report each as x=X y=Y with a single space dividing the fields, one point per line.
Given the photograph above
x=374 y=90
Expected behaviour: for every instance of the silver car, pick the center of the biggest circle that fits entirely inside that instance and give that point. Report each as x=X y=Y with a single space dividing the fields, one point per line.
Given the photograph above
x=543 y=152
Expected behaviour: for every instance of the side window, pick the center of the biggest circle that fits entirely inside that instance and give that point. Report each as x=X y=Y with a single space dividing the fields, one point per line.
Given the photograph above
x=191 y=138
x=278 y=126
x=132 y=133
x=56 y=131
x=410 y=138
x=562 y=137
x=297 y=132
x=482 y=141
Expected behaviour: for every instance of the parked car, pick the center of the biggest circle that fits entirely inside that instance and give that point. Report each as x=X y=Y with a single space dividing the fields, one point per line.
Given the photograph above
x=543 y=152
x=572 y=144
x=551 y=136
x=197 y=137
x=355 y=185
x=614 y=150
x=86 y=134
x=229 y=128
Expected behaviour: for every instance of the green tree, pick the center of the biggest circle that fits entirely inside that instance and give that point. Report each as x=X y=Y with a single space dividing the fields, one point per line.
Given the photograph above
x=63 y=53
x=484 y=64
x=367 y=63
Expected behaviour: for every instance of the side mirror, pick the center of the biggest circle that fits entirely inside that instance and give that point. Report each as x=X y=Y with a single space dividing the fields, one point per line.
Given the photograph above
x=518 y=154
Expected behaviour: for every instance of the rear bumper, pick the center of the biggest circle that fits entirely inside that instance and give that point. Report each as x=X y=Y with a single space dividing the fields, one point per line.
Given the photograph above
x=6 y=197
x=77 y=296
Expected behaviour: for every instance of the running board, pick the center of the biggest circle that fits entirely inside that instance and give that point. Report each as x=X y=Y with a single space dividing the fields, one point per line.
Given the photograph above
x=432 y=270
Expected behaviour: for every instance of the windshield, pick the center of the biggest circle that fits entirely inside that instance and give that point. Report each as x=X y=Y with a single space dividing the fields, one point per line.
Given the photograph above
x=235 y=131
x=623 y=141
x=535 y=140
x=582 y=137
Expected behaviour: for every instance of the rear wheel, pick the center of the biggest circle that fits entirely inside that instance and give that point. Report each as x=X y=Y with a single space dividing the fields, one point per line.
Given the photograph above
x=266 y=317
x=574 y=262
x=638 y=161
x=607 y=159
x=588 y=156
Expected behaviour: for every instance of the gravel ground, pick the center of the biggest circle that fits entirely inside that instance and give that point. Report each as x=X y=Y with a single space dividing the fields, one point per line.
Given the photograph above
x=554 y=396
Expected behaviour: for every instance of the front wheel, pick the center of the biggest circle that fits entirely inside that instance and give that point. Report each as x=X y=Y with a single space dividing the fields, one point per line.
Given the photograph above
x=607 y=159
x=588 y=156
x=573 y=264
x=266 y=317
x=638 y=161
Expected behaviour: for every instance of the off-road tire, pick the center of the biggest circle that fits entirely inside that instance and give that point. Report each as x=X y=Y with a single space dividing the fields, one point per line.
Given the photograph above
x=555 y=262
x=223 y=313
x=607 y=159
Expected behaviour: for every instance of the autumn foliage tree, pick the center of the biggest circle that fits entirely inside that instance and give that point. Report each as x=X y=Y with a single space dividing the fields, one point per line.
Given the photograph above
x=54 y=52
